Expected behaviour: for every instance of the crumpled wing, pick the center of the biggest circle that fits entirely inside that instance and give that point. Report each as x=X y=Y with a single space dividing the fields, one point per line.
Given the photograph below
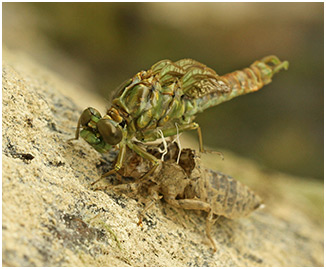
x=195 y=78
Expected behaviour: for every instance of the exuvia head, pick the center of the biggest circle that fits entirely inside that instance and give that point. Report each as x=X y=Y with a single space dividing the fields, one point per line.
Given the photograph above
x=100 y=133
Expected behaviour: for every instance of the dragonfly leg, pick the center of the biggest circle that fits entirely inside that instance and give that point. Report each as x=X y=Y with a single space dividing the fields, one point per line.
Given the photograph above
x=152 y=136
x=179 y=129
x=201 y=145
x=200 y=138
x=121 y=156
x=103 y=176
x=143 y=153
x=187 y=127
x=117 y=166
x=77 y=130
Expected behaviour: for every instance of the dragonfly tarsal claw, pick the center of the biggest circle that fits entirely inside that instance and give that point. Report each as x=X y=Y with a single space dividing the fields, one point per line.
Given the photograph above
x=156 y=165
x=111 y=172
x=96 y=181
x=72 y=139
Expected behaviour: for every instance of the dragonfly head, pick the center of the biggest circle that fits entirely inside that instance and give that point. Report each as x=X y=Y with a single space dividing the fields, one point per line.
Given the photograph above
x=100 y=132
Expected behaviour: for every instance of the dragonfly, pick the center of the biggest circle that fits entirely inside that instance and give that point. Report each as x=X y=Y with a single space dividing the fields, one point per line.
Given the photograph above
x=164 y=101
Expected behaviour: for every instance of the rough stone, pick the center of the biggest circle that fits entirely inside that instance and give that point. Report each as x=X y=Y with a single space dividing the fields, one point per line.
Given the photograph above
x=51 y=216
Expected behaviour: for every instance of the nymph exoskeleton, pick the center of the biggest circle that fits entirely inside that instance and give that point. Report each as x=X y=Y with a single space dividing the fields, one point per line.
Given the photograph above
x=187 y=185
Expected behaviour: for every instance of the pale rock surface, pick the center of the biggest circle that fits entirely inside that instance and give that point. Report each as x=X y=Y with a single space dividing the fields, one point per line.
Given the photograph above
x=51 y=216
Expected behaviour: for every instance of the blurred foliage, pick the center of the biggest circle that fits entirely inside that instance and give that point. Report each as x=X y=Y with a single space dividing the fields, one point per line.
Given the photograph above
x=102 y=44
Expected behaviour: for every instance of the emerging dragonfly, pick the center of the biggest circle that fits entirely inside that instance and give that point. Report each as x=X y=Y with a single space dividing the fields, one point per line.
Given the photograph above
x=163 y=102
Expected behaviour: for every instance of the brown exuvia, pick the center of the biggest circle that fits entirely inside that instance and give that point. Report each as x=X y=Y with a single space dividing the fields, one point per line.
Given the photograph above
x=186 y=184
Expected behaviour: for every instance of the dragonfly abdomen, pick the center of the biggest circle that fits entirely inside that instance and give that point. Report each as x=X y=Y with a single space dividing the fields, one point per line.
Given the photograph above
x=238 y=83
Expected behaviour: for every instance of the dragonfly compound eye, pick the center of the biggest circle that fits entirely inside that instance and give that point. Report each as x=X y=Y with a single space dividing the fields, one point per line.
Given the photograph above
x=88 y=115
x=110 y=134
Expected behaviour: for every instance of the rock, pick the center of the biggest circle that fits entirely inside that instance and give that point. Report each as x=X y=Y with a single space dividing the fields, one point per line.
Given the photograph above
x=51 y=216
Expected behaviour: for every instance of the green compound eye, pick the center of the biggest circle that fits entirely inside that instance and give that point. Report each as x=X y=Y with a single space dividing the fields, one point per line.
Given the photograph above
x=110 y=134
x=92 y=139
x=88 y=115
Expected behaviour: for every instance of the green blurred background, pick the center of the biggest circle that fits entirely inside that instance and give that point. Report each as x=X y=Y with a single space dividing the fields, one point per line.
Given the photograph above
x=99 y=45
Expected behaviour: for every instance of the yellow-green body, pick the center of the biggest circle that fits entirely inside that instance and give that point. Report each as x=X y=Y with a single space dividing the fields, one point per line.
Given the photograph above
x=173 y=93
x=164 y=101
